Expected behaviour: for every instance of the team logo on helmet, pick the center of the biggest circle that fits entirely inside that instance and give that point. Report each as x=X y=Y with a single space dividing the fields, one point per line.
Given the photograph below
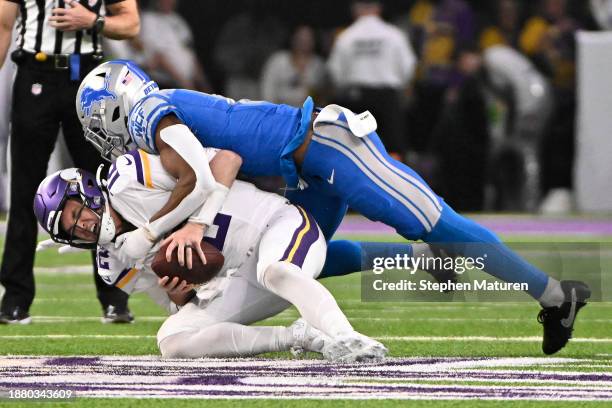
x=91 y=96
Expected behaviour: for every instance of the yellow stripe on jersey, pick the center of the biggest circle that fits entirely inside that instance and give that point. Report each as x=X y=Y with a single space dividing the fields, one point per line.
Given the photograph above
x=127 y=278
x=301 y=234
x=146 y=168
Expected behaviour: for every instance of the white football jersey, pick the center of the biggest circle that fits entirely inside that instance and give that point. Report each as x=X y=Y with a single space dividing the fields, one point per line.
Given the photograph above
x=139 y=187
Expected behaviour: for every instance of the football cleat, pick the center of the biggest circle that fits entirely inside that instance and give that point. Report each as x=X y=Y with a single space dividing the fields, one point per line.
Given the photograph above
x=16 y=315
x=306 y=338
x=117 y=315
x=354 y=347
x=558 y=321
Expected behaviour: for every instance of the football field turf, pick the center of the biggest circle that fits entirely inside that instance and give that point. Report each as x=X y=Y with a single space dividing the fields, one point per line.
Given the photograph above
x=441 y=353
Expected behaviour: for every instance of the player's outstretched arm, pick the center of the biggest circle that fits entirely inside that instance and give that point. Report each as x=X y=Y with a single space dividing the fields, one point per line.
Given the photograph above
x=224 y=166
x=197 y=195
x=184 y=158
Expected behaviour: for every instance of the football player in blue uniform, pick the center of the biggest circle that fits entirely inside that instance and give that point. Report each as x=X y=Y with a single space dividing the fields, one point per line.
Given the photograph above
x=330 y=159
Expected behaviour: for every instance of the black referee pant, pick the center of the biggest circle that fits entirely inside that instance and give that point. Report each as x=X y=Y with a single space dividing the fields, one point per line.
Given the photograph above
x=43 y=100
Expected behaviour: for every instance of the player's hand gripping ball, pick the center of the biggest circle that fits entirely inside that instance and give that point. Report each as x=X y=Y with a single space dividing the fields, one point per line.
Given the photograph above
x=198 y=274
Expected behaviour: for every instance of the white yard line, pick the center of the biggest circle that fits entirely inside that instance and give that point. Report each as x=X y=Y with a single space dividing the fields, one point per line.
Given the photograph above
x=290 y=318
x=81 y=319
x=525 y=339
x=76 y=336
x=65 y=270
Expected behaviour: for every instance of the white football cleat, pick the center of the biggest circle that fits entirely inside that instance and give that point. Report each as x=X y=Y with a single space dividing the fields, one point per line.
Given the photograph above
x=354 y=347
x=306 y=338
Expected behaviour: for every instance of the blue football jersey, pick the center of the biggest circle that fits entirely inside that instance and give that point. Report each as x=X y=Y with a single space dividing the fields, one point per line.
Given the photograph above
x=262 y=133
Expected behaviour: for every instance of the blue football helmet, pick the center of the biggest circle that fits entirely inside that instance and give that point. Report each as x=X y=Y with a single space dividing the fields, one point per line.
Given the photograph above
x=103 y=103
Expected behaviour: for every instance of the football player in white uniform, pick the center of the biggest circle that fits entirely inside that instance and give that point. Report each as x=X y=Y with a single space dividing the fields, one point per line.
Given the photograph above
x=273 y=252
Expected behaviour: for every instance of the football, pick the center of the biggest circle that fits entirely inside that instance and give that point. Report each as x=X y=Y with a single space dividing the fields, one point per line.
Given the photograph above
x=200 y=273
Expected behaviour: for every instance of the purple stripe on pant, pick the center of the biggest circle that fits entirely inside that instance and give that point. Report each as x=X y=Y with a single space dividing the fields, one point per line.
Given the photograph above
x=309 y=236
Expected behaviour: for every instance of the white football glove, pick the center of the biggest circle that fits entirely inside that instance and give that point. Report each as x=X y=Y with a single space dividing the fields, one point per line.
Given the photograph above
x=136 y=244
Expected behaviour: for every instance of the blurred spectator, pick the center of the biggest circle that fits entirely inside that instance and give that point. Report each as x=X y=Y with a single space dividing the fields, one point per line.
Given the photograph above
x=289 y=76
x=370 y=65
x=602 y=13
x=441 y=29
x=515 y=168
x=244 y=44
x=461 y=138
x=506 y=29
x=131 y=49
x=168 y=48
x=548 y=38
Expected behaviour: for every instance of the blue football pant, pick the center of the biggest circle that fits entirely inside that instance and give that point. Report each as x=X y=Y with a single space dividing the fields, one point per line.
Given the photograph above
x=342 y=169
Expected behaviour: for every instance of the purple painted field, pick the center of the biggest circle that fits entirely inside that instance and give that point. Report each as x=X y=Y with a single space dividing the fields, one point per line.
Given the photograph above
x=404 y=378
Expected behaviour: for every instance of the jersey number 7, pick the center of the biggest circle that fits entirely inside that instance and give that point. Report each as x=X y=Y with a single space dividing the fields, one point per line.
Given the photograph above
x=219 y=230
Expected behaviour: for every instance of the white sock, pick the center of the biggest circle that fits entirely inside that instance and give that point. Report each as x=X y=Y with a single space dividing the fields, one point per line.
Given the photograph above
x=227 y=340
x=553 y=294
x=314 y=302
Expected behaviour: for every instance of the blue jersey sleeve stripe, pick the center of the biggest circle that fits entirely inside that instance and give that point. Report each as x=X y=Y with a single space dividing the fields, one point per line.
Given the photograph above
x=157 y=109
x=153 y=119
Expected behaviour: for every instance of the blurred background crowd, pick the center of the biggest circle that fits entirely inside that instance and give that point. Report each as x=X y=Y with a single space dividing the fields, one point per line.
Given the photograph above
x=478 y=96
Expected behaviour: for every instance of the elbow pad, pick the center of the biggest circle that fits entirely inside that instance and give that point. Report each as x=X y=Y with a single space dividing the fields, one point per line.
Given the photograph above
x=180 y=138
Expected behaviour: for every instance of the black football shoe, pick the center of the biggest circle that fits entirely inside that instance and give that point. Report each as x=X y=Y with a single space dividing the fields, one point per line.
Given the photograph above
x=114 y=314
x=558 y=321
x=16 y=315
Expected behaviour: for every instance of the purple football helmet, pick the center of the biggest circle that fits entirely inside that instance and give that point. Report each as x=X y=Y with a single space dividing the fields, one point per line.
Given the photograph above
x=79 y=184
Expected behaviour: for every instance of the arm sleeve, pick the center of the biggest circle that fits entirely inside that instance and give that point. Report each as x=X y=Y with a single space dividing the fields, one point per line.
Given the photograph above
x=180 y=138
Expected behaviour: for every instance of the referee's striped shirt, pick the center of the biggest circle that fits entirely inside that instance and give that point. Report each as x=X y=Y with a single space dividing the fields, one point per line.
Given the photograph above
x=37 y=35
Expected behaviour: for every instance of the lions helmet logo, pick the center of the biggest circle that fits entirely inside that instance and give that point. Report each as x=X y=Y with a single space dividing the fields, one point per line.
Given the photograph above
x=91 y=95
